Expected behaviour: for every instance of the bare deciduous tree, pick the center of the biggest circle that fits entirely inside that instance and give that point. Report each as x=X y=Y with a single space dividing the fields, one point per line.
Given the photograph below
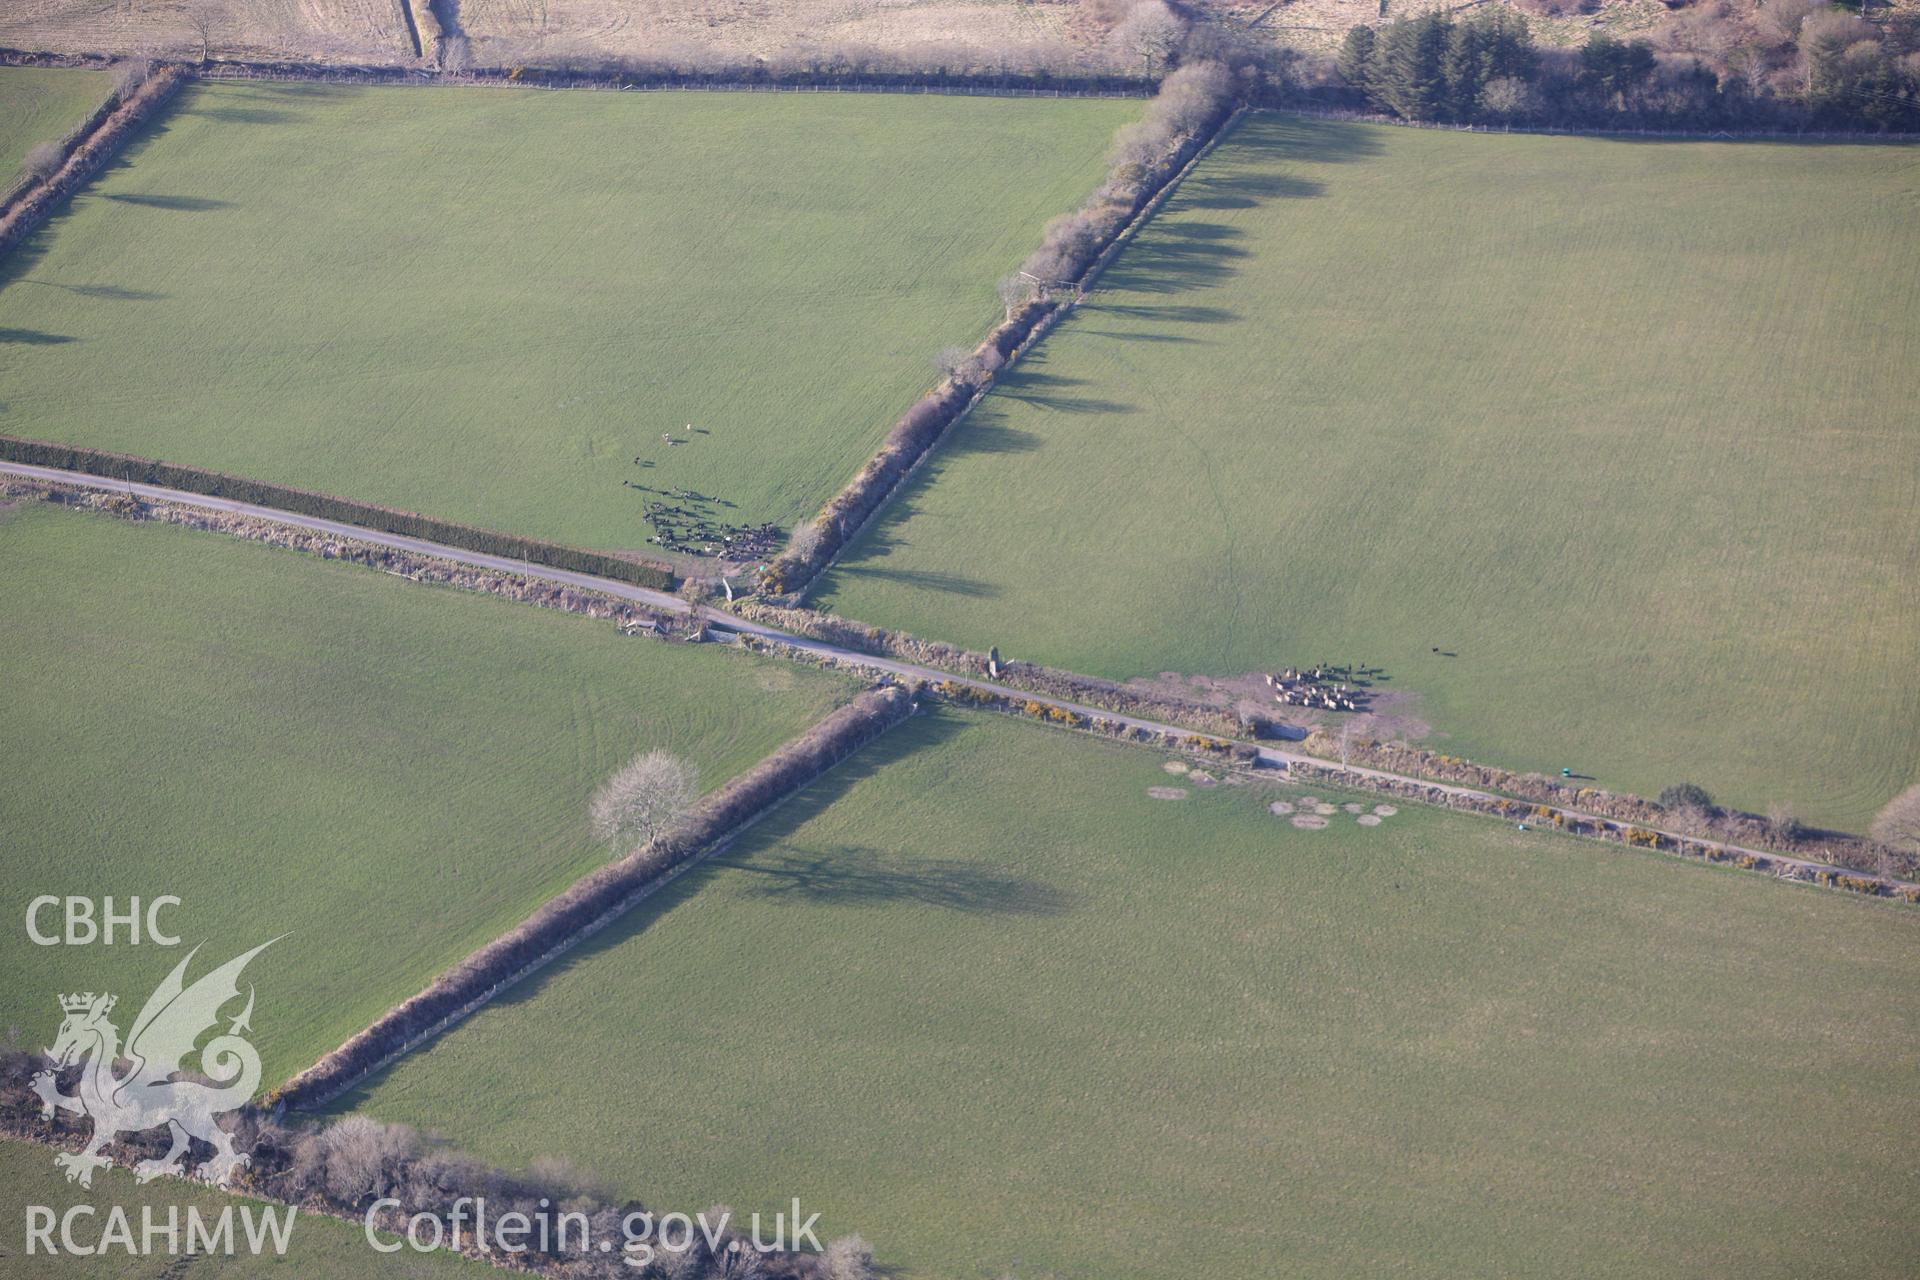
x=1151 y=30
x=355 y=1157
x=204 y=20
x=805 y=542
x=1898 y=824
x=1509 y=97
x=129 y=76
x=848 y=1258
x=1015 y=291
x=45 y=160
x=645 y=800
x=953 y=361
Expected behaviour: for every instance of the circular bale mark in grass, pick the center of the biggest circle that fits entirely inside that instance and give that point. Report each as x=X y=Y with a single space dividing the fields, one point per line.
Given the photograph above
x=1369 y=819
x=1324 y=809
x=1201 y=778
x=1167 y=793
x=1385 y=810
x=1176 y=766
x=1309 y=822
x=1354 y=808
x=1279 y=808
x=1307 y=802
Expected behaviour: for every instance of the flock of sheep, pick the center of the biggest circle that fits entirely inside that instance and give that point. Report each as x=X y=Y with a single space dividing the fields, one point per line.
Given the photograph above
x=1325 y=687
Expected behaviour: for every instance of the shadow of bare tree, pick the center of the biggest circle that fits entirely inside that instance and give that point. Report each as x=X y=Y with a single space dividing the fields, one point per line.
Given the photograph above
x=853 y=876
x=99 y=292
x=929 y=580
x=178 y=204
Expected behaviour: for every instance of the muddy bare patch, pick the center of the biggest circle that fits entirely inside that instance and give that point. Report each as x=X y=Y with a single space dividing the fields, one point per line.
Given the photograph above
x=1309 y=822
x=1369 y=819
x=1391 y=715
x=1279 y=808
x=1167 y=793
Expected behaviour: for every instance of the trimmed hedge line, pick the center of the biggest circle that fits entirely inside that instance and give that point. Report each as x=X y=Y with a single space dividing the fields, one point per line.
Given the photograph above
x=295 y=1165
x=120 y=466
x=630 y=616
x=598 y=898
x=1029 y=677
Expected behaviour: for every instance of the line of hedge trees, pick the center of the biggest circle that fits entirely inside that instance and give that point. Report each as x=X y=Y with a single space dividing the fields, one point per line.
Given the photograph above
x=341 y=1168
x=1191 y=105
x=87 y=156
x=120 y=466
x=599 y=897
x=1685 y=808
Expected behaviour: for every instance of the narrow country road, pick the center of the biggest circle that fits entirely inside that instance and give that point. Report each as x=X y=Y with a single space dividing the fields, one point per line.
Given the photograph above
x=1272 y=757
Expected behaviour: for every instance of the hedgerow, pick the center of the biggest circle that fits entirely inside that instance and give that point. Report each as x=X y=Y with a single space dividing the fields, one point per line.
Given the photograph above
x=598 y=898
x=120 y=466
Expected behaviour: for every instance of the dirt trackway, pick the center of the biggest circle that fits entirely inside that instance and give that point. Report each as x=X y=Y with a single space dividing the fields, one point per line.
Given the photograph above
x=1273 y=757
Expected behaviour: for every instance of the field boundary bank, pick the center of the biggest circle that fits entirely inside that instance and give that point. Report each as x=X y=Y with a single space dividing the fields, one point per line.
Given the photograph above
x=917 y=434
x=219 y=484
x=68 y=143
x=1040 y=328
x=273 y=1155
x=598 y=899
x=1249 y=759
x=841 y=645
x=1221 y=724
x=1012 y=85
x=88 y=156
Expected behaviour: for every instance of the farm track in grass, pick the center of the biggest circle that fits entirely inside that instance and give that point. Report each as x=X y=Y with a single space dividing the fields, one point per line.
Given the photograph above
x=318 y=1248
x=982 y=996
x=390 y=774
x=485 y=305
x=1643 y=469
x=42 y=104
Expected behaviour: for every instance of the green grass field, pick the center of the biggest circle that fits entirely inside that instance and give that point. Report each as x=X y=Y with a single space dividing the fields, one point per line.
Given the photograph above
x=389 y=773
x=317 y=1248
x=486 y=304
x=41 y=104
x=1624 y=425
x=982 y=999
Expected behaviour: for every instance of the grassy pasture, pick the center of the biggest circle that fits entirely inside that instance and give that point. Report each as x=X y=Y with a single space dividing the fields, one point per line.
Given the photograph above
x=1624 y=425
x=485 y=304
x=40 y=104
x=318 y=1248
x=390 y=774
x=979 y=997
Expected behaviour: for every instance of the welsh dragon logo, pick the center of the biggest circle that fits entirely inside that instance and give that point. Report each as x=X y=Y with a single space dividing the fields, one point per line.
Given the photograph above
x=147 y=1096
